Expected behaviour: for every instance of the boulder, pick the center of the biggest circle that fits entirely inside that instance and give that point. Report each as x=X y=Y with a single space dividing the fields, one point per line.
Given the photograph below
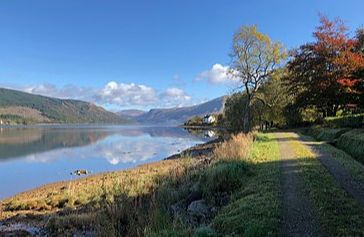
x=198 y=208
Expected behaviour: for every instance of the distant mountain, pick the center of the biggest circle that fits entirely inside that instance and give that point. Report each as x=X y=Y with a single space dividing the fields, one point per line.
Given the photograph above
x=21 y=107
x=130 y=113
x=180 y=115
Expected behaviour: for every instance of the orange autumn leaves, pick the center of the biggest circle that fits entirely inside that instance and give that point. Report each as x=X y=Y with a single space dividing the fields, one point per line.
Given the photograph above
x=339 y=51
x=328 y=73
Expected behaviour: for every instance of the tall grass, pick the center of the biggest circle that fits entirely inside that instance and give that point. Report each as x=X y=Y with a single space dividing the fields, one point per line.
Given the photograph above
x=237 y=147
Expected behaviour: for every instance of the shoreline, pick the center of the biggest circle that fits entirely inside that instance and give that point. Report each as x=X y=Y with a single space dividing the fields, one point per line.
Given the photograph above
x=21 y=219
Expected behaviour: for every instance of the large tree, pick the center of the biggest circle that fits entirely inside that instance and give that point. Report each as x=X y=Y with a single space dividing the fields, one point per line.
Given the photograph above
x=254 y=58
x=272 y=98
x=324 y=73
x=360 y=73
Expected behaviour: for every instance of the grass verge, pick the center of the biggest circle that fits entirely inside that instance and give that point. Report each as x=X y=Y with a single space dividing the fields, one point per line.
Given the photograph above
x=255 y=207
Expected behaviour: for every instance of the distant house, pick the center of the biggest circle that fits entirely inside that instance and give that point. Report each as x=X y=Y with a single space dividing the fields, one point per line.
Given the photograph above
x=209 y=119
x=352 y=107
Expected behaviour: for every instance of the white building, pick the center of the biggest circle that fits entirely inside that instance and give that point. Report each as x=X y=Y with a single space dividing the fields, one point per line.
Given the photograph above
x=209 y=119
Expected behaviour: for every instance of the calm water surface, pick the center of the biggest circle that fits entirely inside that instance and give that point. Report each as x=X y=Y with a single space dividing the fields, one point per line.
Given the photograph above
x=37 y=155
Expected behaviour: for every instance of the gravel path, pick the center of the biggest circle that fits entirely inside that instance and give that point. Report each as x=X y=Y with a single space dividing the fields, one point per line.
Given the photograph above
x=299 y=219
x=341 y=175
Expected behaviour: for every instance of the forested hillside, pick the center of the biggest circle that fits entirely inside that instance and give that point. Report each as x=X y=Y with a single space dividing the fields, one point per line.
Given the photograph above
x=19 y=107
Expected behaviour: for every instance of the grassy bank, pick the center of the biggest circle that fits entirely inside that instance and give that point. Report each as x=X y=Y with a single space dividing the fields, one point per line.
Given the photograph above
x=233 y=192
x=255 y=207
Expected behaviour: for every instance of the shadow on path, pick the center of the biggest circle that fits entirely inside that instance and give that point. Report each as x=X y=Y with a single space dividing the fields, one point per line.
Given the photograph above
x=299 y=219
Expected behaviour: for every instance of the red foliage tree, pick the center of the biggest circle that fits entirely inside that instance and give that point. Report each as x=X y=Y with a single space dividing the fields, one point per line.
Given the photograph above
x=324 y=73
x=360 y=73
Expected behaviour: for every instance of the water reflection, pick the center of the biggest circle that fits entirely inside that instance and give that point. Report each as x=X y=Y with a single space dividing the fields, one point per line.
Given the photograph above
x=16 y=142
x=33 y=156
x=206 y=133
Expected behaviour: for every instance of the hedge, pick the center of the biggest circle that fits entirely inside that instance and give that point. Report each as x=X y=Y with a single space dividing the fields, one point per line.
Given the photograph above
x=326 y=134
x=353 y=143
x=350 y=121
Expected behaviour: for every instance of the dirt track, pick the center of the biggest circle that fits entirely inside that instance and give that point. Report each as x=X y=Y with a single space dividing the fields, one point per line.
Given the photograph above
x=299 y=218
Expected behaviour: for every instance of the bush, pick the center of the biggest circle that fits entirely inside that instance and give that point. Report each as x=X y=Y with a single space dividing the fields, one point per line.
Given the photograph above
x=351 y=121
x=353 y=143
x=223 y=177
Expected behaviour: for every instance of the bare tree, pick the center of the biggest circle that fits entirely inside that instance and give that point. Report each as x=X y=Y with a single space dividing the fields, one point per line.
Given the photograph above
x=254 y=57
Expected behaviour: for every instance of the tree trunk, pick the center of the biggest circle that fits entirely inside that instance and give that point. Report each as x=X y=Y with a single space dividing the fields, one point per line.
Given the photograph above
x=331 y=111
x=246 y=118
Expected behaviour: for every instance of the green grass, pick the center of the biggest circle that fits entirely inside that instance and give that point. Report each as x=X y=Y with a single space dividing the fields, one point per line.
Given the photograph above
x=339 y=213
x=355 y=168
x=224 y=176
x=255 y=208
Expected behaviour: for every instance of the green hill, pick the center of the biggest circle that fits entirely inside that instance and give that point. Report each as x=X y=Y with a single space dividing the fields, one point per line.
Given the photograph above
x=19 y=107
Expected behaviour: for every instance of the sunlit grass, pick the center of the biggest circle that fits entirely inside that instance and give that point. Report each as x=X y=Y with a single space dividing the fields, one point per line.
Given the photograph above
x=255 y=208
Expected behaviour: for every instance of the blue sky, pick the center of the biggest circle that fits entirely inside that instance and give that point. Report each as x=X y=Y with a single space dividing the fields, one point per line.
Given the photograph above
x=143 y=54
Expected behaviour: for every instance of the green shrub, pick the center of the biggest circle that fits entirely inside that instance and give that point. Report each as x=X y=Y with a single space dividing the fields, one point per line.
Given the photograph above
x=351 y=121
x=353 y=143
x=223 y=177
x=194 y=121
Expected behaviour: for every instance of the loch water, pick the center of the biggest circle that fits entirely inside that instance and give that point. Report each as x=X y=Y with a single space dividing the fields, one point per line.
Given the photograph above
x=36 y=155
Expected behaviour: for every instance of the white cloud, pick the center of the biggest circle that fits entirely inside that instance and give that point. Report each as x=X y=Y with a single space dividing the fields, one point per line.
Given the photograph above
x=175 y=92
x=217 y=74
x=175 y=97
x=126 y=94
x=65 y=92
x=116 y=95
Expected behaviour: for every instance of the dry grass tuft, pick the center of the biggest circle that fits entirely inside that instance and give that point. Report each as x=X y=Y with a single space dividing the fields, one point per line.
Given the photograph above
x=237 y=147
